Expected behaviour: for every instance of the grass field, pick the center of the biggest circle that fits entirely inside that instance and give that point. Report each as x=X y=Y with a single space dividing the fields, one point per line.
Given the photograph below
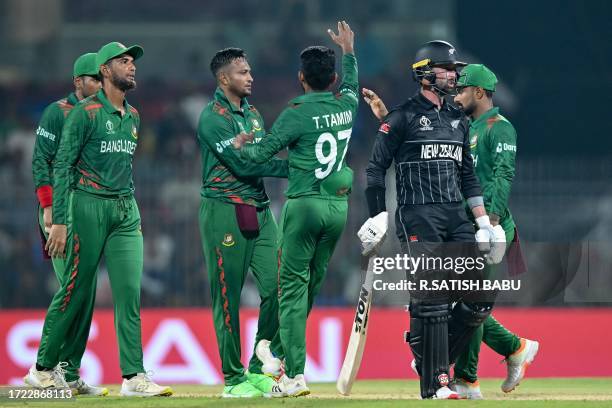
x=590 y=392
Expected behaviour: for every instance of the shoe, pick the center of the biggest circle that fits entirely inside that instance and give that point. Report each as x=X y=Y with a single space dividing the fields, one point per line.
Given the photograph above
x=46 y=378
x=446 y=393
x=290 y=387
x=80 y=387
x=141 y=385
x=262 y=382
x=271 y=365
x=243 y=390
x=517 y=364
x=466 y=389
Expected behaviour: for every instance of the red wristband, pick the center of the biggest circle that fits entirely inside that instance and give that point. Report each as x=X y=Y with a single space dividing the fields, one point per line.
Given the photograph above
x=45 y=196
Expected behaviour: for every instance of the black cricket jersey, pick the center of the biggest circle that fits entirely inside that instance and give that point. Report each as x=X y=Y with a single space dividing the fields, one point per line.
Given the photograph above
x=431 y=151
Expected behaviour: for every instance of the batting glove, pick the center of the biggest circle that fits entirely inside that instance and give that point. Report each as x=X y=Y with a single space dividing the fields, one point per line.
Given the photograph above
x=373 y=232
x=490 y=239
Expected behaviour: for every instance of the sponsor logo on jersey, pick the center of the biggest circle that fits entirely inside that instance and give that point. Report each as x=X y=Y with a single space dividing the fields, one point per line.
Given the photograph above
x=505 y=147
x=110 y=128
x=384 y=128
x=441 y=151
x=228 y=240
x=425 y=123
x=413 y=238
x=134 y=132
x=44 y=133
x=223 y=144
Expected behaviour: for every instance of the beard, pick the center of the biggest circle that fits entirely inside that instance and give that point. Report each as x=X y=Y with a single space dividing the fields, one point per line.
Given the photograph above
x=468 y=109
x=123 y=84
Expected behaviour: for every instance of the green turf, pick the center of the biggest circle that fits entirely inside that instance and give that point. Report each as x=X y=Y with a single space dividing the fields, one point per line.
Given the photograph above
x=589 y=392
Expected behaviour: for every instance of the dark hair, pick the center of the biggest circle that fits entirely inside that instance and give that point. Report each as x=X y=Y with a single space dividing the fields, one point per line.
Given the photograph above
x=318 y=66
x=488 y=93
x=225 y=57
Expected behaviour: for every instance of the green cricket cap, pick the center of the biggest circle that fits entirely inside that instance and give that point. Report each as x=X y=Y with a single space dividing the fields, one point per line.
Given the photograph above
x=85 y=65
x=477 y=75
x=115 y=49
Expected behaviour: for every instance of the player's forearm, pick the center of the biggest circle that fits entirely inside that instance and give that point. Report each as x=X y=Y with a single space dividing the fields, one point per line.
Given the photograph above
x=61 y=185
x=273 y=168
x=260 y=152
x=497 y=195
x=350 y=78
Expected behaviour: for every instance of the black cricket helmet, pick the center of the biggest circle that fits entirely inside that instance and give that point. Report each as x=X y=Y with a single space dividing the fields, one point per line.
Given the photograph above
x=434 y=54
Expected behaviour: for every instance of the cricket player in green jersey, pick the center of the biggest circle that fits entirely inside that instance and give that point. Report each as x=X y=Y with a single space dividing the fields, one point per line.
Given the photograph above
x=95 y=214
x=316 y=127
x=48 y=136
x=237 y=227
x=493 y=146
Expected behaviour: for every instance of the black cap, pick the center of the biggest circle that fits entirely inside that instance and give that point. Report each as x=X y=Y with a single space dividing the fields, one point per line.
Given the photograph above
x=436 y=53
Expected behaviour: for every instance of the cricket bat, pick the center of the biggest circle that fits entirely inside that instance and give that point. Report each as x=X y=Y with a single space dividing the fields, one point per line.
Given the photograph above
x=356 y=345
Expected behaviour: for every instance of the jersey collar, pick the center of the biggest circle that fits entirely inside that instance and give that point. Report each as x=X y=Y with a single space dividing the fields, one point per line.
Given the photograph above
x=485 y=116
x=108 y=107
x=220 y=96
x=427 y=104
x=72 y=99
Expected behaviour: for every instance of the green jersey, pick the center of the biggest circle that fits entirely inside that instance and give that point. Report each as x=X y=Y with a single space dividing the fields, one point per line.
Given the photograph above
x=99 y=143
x=316 y=127
x=225 y=176
x=48 y=135
x=493 y=145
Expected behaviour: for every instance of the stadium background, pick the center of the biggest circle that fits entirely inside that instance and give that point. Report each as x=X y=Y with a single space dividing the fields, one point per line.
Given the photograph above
x=553 y=64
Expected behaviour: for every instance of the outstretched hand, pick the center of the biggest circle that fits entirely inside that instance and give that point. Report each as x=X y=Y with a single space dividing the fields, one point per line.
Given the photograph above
x=345 y=37
x=376 y=104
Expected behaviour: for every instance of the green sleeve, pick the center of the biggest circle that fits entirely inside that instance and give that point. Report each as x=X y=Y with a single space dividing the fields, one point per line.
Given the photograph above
x=75 y=133
x=350 y=81
x=503 y=154
x=285 y=131
x=48 y=134
x=216 y=132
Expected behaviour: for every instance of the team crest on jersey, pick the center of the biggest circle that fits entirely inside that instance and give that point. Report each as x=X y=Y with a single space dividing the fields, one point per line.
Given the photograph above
x=473 y=141
x=384 y=128
x=425 y=123
x=228 y=240
x=110 y=128
x=134 y=132
x=256 y=124
x=413 y=238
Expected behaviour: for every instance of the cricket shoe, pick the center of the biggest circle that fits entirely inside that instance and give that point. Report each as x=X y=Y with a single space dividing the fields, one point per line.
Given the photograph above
x=262 y=382
x=271 y=365
x=141 y=385
x=466 y=389
x=243 y=390
x=290 y=387
x=80 y=387
x=47 y=378
x=517 y=364
x=446 y=393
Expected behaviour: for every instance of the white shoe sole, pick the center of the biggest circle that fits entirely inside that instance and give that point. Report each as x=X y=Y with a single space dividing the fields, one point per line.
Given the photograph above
x=165 y=393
